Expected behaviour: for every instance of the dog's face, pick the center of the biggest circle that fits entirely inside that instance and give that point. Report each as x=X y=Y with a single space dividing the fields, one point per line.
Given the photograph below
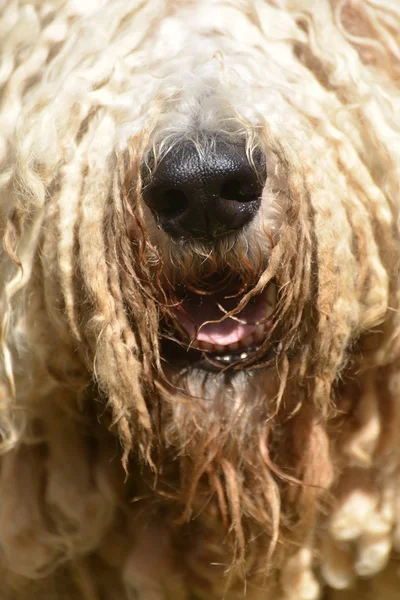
x=210 y=176
x=201 y=206
x=236 y=193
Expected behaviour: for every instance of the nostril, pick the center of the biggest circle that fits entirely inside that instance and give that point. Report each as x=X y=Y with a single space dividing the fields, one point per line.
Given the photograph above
x=169 y=204
x=239 y=189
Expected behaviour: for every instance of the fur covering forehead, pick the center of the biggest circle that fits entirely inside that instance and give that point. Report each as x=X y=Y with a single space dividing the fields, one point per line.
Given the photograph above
x=124 y=472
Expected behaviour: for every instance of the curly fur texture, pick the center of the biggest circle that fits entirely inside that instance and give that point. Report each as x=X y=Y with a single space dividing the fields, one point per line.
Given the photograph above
x=123 y=476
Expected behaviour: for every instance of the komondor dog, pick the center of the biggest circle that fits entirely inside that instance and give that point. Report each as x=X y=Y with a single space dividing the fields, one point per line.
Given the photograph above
x=200 y=301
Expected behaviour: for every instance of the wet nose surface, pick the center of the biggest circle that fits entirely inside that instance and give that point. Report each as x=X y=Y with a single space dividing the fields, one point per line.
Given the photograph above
x=205 y=195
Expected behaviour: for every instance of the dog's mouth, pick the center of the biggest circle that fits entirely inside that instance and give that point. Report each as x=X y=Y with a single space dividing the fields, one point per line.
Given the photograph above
x=208 y=325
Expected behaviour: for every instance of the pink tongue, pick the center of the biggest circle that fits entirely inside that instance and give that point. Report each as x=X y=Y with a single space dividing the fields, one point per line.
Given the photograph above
x=192 y=313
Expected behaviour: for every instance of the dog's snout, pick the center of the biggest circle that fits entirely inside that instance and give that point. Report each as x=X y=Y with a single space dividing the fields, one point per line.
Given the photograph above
x=205 y=192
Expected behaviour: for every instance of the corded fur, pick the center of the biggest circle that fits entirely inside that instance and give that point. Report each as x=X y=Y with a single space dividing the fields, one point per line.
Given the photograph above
x=120 y=474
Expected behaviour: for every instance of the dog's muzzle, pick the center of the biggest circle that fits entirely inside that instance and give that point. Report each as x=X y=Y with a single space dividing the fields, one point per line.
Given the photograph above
x=206 y=191
x=202 y=192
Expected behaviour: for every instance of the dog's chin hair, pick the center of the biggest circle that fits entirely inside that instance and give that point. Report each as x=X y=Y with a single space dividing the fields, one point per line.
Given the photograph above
x=214 y=422
x=210 y=422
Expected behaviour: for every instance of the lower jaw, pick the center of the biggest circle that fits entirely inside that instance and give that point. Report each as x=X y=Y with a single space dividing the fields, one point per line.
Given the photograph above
x=181 y=357
x=233 y=359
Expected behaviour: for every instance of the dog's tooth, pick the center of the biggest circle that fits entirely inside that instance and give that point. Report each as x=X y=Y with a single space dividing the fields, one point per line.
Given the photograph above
x=243 y=355
x=234 y=347
x=226 y=359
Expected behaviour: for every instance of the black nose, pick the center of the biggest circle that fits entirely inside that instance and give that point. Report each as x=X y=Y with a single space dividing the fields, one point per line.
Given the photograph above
x=205 y=194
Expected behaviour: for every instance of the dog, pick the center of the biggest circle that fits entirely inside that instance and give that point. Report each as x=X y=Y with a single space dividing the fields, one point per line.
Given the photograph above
x=200 y=375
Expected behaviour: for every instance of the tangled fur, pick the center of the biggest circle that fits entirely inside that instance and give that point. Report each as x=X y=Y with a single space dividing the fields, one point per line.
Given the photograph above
x=122 y=474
